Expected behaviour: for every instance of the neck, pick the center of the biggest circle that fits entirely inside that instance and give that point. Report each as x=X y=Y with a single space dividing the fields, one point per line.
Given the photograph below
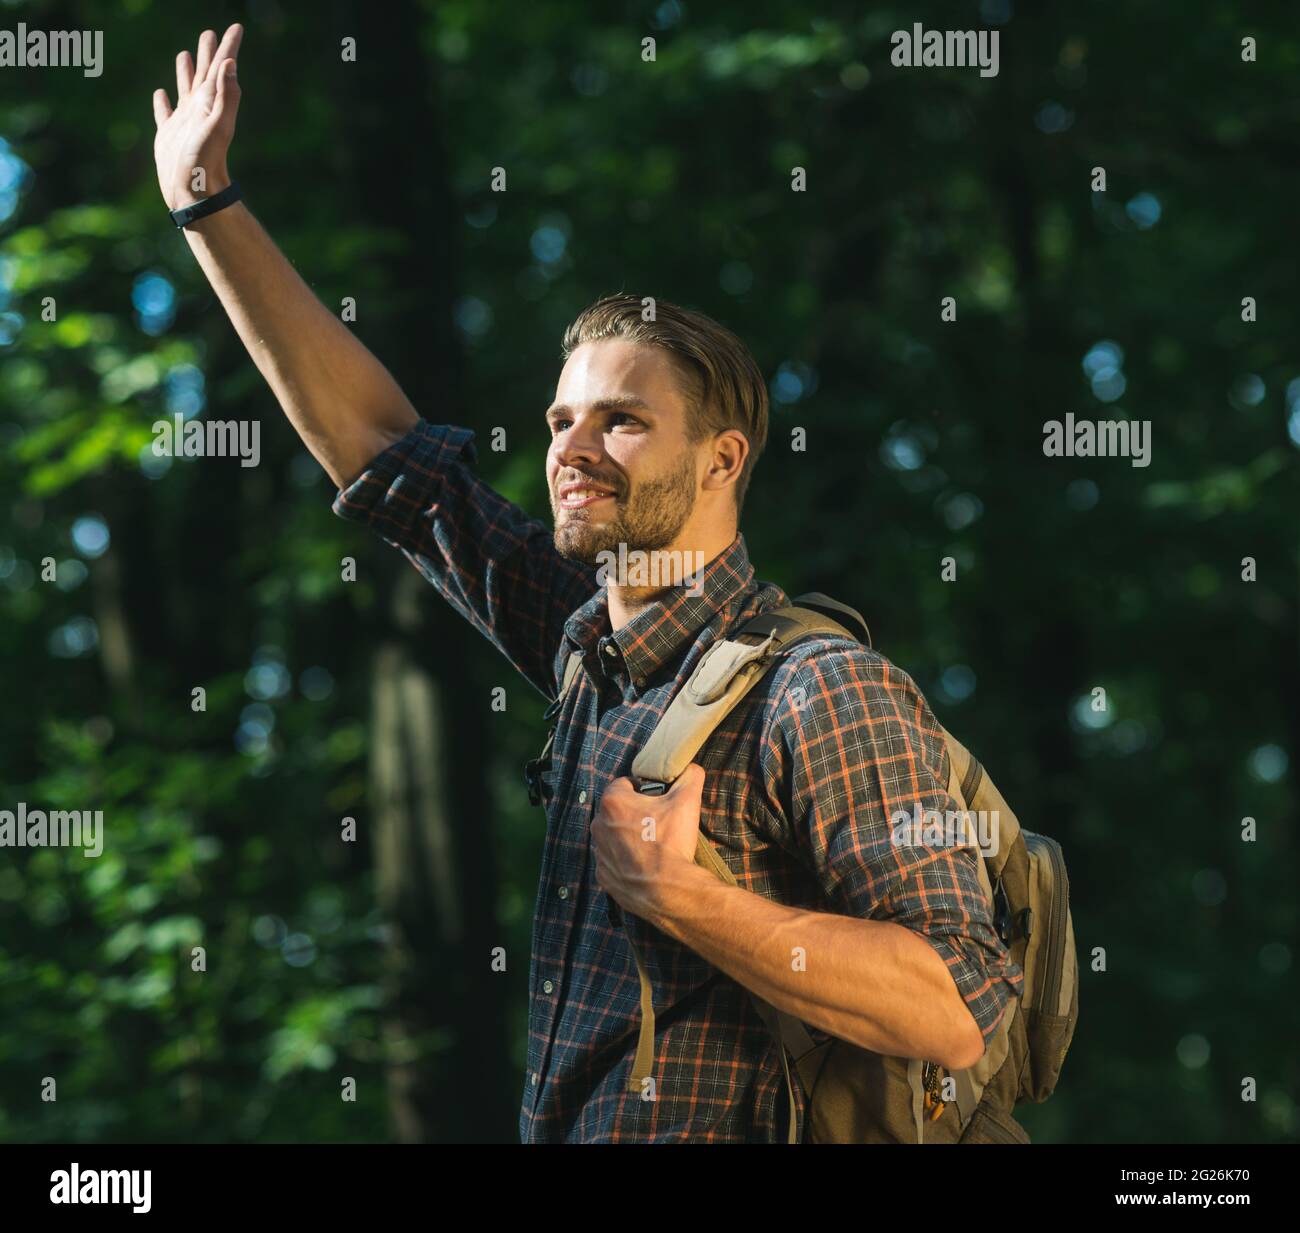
x=665 y=568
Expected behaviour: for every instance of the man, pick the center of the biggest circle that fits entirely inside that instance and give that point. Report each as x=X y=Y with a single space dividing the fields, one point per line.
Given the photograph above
x=657 y=421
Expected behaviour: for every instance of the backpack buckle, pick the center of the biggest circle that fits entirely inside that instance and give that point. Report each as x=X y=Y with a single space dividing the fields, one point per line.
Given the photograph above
x=538 y=781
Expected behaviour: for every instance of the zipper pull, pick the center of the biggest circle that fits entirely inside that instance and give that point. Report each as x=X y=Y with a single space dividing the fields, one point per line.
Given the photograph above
x=932 y=1076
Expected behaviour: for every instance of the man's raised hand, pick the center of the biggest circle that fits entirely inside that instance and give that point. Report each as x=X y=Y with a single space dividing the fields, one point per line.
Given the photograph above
x=192 y=141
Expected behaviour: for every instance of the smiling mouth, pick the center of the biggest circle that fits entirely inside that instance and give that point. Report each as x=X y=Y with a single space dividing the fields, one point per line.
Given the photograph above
x=579 y=497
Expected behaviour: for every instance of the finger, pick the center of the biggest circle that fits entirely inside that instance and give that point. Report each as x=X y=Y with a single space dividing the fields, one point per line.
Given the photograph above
x=616 y=788
x=162 y=108
x=229 y=46
x=207 y=45
x=184 y=76
x=227 y=87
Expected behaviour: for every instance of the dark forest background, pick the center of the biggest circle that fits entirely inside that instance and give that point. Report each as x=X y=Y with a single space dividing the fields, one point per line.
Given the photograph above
x=330 y=699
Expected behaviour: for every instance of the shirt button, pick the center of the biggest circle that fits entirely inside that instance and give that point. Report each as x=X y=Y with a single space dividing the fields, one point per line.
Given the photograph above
x=638 y=681
x=610 y=649
x=547 y=987
x=534 y=1078
x=582 y=797
x=563 y=892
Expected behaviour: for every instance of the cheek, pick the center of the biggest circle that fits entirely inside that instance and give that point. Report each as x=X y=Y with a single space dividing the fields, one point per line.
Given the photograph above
x=631 y=455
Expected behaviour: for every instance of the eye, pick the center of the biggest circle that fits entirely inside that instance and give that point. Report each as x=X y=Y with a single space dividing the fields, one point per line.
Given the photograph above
x=558 y=424
x=622 y=416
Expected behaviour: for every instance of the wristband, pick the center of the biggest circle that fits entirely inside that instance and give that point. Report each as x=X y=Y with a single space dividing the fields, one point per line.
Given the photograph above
x=209 y=205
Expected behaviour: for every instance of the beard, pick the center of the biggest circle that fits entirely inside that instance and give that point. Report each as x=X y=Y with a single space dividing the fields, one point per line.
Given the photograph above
x=648 y=518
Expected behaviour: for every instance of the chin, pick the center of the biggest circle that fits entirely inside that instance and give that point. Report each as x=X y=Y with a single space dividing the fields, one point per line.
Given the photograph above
x=579 y=542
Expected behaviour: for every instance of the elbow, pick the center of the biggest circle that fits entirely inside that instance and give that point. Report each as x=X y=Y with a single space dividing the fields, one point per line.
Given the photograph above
x=968 y=1043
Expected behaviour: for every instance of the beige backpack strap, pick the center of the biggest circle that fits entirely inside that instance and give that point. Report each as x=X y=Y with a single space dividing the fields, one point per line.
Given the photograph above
x=571 y=666
x=535 y=769
x=729 y=669
x=970 y=786
x=965 y=775
x=791 y=1035
x=722 y=678
x=727 y=672
x=849 y=620
x=915 y=1069
x=644 y=1063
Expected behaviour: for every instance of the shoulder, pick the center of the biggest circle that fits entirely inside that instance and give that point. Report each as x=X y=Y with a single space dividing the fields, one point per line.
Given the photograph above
x=845 y=700
x=825 y=672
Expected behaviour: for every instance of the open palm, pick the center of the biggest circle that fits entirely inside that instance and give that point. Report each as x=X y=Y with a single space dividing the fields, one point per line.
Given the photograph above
x=196 y=135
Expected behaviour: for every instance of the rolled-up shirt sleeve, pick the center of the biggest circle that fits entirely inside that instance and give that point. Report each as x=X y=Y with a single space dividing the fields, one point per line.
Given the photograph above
x=493 y=563
x=852 y=746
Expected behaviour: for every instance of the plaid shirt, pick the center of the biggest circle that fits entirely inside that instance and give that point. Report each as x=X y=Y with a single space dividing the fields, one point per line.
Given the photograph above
x=798 y=797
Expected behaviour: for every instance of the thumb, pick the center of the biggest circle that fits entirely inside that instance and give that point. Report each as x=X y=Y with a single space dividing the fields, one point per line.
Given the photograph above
x=690 y=783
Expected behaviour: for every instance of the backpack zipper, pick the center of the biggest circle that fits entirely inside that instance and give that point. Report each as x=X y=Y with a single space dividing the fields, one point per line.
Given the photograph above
x=1055 y=938
x=931 y=1078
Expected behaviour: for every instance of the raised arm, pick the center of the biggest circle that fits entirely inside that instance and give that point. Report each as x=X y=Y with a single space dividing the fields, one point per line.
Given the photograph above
x=409 y=480
x=343 y=402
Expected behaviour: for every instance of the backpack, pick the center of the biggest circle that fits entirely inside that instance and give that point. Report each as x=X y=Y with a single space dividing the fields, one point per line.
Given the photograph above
x=852 y=1094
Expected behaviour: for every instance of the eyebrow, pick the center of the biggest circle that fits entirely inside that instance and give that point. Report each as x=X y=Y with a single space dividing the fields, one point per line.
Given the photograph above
x=624 y=402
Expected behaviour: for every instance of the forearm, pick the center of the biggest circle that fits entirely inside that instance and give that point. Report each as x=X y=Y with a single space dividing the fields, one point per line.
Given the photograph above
x=341 y=400
x=873 y=983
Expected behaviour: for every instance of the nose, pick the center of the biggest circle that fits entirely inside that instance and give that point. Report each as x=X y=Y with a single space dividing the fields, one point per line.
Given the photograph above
x=580 y=443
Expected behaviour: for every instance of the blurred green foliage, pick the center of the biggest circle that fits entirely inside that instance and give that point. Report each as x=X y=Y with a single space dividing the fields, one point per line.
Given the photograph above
x=669 y=178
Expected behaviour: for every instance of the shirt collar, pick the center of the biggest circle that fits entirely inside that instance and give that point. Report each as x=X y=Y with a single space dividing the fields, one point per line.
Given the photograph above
x=658 y=633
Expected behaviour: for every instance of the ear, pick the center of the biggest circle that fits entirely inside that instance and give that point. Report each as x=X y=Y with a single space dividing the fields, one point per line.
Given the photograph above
x=727 y=460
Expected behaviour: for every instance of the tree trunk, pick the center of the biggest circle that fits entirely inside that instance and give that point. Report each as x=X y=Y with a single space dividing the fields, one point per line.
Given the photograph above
x=445 y=1021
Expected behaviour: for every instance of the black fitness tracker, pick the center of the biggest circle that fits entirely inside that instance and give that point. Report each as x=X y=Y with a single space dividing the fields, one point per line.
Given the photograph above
x=209 y=205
